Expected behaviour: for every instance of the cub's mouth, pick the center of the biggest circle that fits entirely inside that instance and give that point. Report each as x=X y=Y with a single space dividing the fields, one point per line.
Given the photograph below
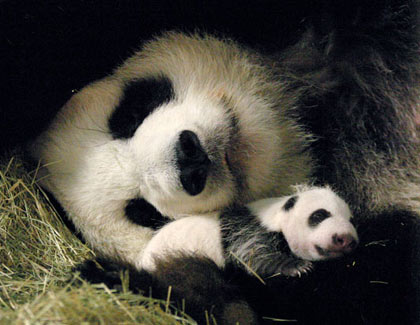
x=339 y=246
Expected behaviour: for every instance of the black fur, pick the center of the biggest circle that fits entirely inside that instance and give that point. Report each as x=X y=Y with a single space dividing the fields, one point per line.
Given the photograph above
x=140 y=98
x=51 y=49
x=370 y=287
x=317 y=217
x=358 y=67
x=141 y=212
x=290 y=203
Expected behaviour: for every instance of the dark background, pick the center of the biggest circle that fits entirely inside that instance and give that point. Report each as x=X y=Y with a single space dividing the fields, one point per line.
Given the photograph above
x=50 y=48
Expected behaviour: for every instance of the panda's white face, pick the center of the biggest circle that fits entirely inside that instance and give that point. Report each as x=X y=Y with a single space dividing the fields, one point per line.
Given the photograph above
x=182 y=154
x=317 y=225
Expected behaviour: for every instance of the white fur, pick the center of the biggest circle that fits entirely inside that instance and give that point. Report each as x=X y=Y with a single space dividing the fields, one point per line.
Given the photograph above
x=191 y=235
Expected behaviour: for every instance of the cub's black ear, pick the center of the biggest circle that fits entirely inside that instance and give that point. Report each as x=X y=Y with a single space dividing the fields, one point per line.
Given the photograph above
x=290 y=203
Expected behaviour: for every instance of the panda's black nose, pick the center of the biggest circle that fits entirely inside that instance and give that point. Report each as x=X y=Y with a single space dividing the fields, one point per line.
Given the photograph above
x=193 y=162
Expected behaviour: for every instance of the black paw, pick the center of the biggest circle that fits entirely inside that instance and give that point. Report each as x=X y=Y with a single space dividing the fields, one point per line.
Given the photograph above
x=287 y=266
x=101 y=271
x=112 y=274
x=295 y=267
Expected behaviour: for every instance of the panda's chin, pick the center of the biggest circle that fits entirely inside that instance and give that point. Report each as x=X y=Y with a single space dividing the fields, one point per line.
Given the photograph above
x=211 y=199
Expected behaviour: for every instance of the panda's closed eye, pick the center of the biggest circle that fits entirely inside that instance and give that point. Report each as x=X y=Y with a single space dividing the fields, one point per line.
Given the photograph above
x=317 y=217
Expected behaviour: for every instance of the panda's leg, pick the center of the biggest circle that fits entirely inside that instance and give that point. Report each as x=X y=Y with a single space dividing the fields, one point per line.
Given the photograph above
x=193 y=235
x=203 y=286
x=195 y=285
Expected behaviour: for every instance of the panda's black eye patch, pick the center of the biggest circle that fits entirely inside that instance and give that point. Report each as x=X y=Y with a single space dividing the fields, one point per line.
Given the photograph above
x=317 y=217
x=290 y=203
x=142 y=213
x=141 y=97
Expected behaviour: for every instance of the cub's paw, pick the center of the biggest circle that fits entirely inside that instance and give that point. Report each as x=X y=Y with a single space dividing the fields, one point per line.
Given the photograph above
x=296 y=267
x=292 y=267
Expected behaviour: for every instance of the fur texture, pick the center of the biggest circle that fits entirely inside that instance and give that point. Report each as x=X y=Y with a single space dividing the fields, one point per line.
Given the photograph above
x=197 y=285
x=360 y=67
x=355 y=72
x=255 y=242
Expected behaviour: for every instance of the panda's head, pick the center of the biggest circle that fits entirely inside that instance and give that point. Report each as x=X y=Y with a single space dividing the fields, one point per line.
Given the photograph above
x=188 y=123
x=317 y=225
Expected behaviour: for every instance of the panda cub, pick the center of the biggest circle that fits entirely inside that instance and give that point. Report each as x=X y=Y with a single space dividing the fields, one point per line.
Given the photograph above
x=291 y=231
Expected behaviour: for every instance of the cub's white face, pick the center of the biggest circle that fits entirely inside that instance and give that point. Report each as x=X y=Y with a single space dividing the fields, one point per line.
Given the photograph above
x=317 y=225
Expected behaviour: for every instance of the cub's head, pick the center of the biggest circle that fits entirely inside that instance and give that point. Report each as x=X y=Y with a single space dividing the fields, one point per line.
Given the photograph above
x=317 y=225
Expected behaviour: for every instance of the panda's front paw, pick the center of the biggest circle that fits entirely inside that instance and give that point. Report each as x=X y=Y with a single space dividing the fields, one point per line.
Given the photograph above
x=101 y=271
x=297 y=267
x=293 y=267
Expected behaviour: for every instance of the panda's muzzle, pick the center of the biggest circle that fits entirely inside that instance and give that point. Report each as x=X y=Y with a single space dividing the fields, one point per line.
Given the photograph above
x=192 y=161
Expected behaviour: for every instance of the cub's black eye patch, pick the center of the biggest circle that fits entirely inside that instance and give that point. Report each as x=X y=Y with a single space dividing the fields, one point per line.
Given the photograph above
x=290 y=203
x=141 y=97
x=317 y=217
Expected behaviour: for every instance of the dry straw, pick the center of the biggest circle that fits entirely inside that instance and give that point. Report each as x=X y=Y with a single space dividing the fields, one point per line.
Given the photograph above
x=37 y=256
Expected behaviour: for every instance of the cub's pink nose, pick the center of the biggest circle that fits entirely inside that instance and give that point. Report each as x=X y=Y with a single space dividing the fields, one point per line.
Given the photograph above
x=344 y=242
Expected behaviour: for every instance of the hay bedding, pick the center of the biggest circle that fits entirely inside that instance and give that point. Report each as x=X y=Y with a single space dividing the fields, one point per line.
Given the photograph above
x=38 y=253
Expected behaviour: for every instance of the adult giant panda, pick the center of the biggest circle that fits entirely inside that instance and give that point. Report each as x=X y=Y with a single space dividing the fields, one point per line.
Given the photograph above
x=189 y=125
x=349 y=89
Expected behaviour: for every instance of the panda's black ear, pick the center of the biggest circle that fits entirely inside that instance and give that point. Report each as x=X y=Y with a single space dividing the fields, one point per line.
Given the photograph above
x=141 y=97
x=290 y=203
